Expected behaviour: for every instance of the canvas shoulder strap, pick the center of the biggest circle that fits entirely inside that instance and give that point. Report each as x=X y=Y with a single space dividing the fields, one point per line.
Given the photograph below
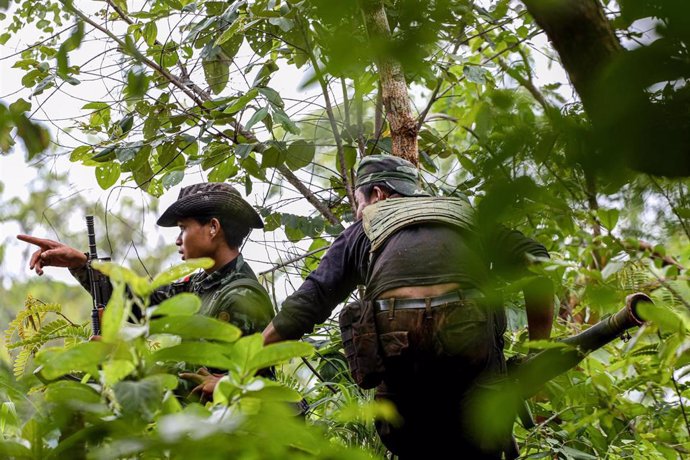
x=383 y=219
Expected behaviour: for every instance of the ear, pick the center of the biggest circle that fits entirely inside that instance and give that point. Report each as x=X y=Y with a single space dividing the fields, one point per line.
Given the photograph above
x=214 y=227
x=378 y=194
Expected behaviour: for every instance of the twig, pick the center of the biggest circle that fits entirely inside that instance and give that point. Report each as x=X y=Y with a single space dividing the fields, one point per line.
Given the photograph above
x=293 y=260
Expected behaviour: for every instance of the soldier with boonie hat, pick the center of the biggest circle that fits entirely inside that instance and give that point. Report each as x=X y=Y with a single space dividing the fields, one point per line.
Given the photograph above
x=214 y=221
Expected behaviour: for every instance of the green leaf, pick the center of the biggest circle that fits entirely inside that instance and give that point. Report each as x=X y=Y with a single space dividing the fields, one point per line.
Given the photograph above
x=231 y=31
x=665 y=318
x=242 y=101
x=172 y=178
x=96 y=106
x=142 y=397
x=199 y=353
x=273 y=157
x=43 y=85
x=576 y=454
x=269 y=390
x=115 y=314
x=116 y=369
x=608 y=218
x=284 y=121
x=181 y=270
x=611 y=268
x=350 y=156
x=66 y=392
x=272 y=96
x=84 y=357
x=184 y=304
x=243 y=150
x=150 y=33
x=137 y=85
x=196 y=327
x=277 y=353
x=81 y=153
x=227 y=168
x=258 y=116
x=300 y=154
x=106 y=154
x=217 y=73
x=138 y=284
x=11 y=449
x=475 y=74
x=107 y=175
x=20 y=106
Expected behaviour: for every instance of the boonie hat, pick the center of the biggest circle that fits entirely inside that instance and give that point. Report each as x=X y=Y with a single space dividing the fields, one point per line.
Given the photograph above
x=208 y=199
x=397 y=173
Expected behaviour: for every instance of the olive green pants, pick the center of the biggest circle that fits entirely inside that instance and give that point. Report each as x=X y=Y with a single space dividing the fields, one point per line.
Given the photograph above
x=435 y=362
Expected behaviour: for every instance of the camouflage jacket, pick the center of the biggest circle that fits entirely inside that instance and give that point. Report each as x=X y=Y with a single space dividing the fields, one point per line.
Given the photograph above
x=231 y=293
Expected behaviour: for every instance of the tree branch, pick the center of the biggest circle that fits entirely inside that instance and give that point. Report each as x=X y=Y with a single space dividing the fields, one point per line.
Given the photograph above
x=394 y=93
x=347 y=178
x=197 y=95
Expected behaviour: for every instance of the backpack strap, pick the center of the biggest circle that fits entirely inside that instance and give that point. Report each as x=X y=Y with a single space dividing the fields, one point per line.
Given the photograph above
x=384 y=218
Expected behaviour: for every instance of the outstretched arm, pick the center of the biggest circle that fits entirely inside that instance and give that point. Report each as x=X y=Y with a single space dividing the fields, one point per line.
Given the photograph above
x=52 y=253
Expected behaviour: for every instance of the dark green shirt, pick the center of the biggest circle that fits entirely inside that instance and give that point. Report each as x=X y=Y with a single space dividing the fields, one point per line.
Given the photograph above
x=231 y=293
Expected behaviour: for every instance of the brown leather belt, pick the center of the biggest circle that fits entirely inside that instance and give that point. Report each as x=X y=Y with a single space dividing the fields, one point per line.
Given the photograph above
x=418 y=303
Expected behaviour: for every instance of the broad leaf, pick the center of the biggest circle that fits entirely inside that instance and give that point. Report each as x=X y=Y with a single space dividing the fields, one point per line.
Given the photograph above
x=184 y=304
x=115 y=370
x=115 y=314
x=84 y=357
x=138 y=284
x=258 y=116
x=180 y=271
x=300 y=154
x=142 y=397
x=242 y=101
x=197 y=353
x=277 y=353
x=195 y=327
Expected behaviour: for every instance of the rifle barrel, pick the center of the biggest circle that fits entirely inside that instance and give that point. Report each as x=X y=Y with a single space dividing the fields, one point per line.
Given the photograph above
x=93 y=252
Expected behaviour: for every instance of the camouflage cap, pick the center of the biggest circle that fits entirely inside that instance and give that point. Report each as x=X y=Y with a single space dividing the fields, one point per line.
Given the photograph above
x=397 y=173
x=210 y=199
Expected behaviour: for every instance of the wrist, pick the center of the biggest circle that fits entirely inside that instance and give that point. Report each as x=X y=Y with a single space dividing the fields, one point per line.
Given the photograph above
x=81 y=260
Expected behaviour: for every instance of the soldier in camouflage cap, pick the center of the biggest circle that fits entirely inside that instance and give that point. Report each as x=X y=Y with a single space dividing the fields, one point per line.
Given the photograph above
x=421 y=332
x=397 y=173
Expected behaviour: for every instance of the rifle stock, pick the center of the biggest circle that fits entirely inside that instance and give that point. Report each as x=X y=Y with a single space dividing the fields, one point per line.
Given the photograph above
x=538 y=369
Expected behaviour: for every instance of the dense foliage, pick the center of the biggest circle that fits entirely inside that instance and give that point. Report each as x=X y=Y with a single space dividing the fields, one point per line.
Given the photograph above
x=201 y=86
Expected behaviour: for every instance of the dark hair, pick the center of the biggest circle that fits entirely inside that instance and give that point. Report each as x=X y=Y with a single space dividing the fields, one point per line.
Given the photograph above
x=368 y=189
x=235 y=232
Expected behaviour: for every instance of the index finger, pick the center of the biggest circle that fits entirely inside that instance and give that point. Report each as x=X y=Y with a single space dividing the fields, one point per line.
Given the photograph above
x=42 y=242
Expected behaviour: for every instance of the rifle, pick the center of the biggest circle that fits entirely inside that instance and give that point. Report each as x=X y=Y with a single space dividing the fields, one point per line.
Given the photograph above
x=100 y=286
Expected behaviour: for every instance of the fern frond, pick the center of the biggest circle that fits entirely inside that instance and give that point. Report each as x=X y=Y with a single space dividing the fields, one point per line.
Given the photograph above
x=58 y=329
x=31 y=313
x=21 y=361
x=634 y=277
x=651 y=349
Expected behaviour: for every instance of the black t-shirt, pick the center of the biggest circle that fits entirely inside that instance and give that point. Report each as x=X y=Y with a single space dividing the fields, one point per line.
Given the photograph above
x=425 y=254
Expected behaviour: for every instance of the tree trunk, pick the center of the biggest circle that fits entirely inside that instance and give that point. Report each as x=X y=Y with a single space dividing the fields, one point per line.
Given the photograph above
x=582 y=36
x=396 y=101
